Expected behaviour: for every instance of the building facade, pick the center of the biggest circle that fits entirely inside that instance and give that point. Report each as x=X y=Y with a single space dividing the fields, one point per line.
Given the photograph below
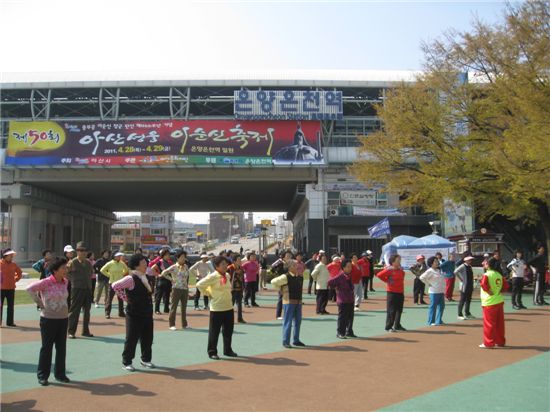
x=223 y=225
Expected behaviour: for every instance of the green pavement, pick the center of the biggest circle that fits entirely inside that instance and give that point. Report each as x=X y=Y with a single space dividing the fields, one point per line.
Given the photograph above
x=509 y=388
x=100 y=357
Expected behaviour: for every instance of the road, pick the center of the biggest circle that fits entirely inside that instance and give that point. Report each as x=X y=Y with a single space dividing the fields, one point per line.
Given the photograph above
x=247 y=244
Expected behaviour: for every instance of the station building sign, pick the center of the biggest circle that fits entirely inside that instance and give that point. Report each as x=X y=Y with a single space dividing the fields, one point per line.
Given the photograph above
x=193 y=142
x=288 y=105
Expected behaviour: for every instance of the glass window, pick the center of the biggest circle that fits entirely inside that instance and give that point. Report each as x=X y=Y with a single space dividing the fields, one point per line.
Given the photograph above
x=157 y=231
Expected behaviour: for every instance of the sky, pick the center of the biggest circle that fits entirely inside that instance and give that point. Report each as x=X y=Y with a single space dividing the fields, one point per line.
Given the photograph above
x=225 y=36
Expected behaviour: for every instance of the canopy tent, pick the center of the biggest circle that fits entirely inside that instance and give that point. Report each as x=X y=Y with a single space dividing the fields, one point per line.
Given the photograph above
x=408 y=247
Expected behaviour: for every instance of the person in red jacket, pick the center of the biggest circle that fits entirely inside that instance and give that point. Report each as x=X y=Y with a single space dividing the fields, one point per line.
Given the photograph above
x=10 y=274
x=394 y=277
x=364 y=264
x=334 y=270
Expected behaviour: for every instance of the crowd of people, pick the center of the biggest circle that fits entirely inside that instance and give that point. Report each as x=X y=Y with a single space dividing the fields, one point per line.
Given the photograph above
x=70 y=284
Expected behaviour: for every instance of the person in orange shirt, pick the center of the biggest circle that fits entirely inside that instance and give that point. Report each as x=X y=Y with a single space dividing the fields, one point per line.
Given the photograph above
x=10 y=274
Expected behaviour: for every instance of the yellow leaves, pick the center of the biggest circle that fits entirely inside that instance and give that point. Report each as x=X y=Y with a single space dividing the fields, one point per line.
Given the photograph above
x=498 y=157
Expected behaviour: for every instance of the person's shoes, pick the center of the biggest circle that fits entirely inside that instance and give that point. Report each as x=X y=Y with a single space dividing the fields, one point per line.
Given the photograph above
x=356 y=309
x=286 y=345
x=401 y=328
x=351 y=335
x=341 y=337
x=147 y=364
x=231 y=354
x=71 y=336
x=88 y=335
x=172 y=328
x=522 y=307
x=166 y=311
x=63 y=379
x=246 y=305
x=196 y=308
x=326 y=313
x=423 y=303
x=460 y=317
x=392 y=330
x=157 y=312
x=107 y=316
x=121 y=315
x=255 y=305
x=280 y=318
x=470 y=316
x=241 y=321
x=299 y=344
x=516 y=307
x=214 y=357
x=43 y=382
x=97 y=305
x=12 y=325
x=372 y=290
x=205 y=308
x=482 y=346
x=129 y=368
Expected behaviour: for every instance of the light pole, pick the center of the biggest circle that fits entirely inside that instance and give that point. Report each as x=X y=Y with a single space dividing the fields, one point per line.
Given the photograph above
x=263 y=240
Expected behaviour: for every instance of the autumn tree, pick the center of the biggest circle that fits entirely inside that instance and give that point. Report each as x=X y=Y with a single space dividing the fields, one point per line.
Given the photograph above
x=474 y=126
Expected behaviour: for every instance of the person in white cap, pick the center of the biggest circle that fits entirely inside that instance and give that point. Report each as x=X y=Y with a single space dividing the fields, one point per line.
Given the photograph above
x=465 y=274
x=10 y=274
x=69 y=254
x=200 y=269
x=115 y=270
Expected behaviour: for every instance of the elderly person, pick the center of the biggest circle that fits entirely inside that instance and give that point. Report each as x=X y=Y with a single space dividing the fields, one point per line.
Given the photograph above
x=465 y=274
x=290 y=284
x=237 y=285
x=251 y=271
x=334 y=268
x=321 y=275
x=492 y=303
x=517 y=267
x=10 y=274
x=137 y=291
x=80 y=272
x=343 y=284
x=217 y=285
x=278 y=267
x=50 y=294
x=163 y=287
x=448 y=270
x=394 y=277
x=178 y=274
x=200 y=269
x=435 y=280
x=114 y=270
x=418 y=286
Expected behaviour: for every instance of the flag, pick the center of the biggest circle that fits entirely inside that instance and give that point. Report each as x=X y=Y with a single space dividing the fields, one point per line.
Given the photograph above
x=380 y=229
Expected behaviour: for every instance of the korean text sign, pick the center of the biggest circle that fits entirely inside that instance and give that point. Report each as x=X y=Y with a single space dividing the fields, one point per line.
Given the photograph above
x=164 y=142
x=288 y=105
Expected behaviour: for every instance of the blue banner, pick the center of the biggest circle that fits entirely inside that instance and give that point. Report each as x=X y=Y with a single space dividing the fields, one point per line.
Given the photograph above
x=380 y=229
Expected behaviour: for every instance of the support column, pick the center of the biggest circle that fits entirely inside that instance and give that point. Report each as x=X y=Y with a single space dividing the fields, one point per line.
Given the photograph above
x=20 y=222
x=55 y=222
x=37 y=240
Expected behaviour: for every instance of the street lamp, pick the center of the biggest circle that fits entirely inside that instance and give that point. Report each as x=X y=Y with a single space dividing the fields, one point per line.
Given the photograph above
x=263 y=240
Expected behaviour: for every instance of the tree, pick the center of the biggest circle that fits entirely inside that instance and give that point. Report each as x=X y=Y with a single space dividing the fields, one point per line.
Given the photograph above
x=485 y=140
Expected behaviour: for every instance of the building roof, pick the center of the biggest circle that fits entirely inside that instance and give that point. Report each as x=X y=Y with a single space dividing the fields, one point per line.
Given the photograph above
x=273 y=78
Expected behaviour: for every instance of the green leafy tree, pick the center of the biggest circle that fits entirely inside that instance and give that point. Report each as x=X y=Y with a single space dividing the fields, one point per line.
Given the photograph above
x=485 y=140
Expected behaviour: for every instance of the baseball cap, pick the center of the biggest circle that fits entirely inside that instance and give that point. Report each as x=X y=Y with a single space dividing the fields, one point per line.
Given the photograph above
x=68 y=248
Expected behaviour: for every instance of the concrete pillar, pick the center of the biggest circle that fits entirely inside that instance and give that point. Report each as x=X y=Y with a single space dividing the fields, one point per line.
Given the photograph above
x=67 y=237
x=55 y=221
x=37 y=233
x=20 y=222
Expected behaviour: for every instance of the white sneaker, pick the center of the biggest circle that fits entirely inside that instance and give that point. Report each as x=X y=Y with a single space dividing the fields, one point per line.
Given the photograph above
x=462 y=318
x=129 y=368
x=173 y=328
x=356 y=309
x=280 y=318
x=147 y=364
x=97 y=305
